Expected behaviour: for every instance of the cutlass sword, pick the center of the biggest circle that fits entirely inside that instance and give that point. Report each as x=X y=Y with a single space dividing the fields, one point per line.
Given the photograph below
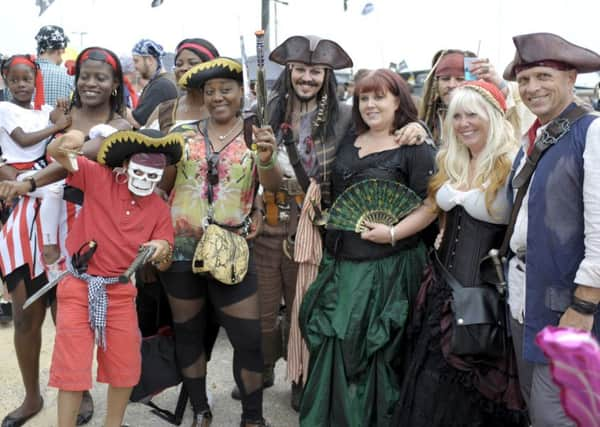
x=44 y=289
x=80 y=260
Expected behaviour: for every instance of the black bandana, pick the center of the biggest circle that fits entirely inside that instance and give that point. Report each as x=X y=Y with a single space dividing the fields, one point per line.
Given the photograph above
x=51 y=37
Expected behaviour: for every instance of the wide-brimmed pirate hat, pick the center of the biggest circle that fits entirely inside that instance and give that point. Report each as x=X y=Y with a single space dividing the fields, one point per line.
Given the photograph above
x=218 y=68
x=311 y=50
x=122 y=145
x=546 y=49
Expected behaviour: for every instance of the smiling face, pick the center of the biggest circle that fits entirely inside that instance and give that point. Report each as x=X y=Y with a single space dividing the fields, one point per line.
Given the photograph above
x=222 y=98
x=307 y=80
x=185 y=60
x=378 y=109
x=546 y=91
x=471 y=128
x=96 y=82
x=20 y=80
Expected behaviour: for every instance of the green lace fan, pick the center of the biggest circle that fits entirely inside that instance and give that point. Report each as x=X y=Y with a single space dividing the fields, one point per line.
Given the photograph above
x=371 y=200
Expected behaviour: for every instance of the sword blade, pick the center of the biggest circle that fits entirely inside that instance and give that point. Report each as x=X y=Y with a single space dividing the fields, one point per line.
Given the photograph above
x=44 y=289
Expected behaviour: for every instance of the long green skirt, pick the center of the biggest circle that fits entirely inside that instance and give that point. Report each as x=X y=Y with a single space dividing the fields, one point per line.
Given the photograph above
x=352 y=319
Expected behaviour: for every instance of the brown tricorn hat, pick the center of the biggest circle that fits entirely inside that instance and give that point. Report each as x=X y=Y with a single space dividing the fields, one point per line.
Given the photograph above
x=311 y=50
x=537 y=48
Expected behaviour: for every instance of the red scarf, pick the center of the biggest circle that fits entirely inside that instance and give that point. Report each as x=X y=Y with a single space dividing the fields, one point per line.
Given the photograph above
x=531 y=134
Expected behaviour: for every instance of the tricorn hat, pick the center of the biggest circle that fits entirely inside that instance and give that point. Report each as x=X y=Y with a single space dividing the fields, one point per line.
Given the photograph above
x=218 y=68
x=122 y=145
x=311 y=50
x=537 y=48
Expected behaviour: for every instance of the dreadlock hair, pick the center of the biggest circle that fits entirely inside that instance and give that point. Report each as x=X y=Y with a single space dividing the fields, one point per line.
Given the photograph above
x=382 y=81
x=117 y=100
x=323 y=126
x=431 y=102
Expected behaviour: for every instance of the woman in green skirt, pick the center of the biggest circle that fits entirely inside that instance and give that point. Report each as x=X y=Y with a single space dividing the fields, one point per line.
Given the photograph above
x=353 y=316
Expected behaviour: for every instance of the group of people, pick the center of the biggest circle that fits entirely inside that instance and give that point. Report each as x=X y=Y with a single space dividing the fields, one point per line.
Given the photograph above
x=370 y=305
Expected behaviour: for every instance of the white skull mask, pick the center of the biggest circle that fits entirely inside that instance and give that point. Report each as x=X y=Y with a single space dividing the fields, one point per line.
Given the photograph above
x=142 y=179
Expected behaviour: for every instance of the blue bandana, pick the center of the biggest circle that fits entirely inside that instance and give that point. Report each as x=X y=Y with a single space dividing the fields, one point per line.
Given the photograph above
x=147 y=47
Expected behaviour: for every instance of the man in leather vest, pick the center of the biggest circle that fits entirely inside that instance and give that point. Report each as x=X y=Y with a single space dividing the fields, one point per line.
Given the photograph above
x=554 y=275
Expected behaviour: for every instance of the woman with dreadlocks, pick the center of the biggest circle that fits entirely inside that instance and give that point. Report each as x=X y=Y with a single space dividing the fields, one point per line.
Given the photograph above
x=97 y=111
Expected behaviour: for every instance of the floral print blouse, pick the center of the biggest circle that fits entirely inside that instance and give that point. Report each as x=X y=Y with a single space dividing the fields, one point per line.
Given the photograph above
x=232 y=195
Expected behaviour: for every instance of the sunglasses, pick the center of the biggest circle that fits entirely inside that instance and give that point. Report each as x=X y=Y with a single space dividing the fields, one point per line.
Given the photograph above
x=212 y=170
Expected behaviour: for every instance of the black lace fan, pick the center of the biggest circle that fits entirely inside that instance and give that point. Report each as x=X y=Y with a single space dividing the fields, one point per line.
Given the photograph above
x=371 y=200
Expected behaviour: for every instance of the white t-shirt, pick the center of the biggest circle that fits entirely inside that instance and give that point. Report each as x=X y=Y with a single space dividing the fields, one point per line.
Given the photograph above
x=11 y=117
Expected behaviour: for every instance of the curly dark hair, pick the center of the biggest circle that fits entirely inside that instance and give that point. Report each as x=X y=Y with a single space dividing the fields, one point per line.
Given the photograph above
x=117 y=100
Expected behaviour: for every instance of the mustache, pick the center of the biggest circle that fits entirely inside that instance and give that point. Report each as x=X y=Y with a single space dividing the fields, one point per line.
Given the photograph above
x=307 y=82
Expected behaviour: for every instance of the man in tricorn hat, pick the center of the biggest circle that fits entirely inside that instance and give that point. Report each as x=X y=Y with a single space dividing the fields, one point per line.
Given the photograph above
x=304 y=101
x=553 y=276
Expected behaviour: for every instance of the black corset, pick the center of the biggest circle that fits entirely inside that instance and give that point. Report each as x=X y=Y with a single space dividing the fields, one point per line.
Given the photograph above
x=466 y=241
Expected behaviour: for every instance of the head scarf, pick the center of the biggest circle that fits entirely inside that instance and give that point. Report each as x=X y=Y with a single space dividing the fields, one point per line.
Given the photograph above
x=51 y=37
x=203 y=48
x=147 y=47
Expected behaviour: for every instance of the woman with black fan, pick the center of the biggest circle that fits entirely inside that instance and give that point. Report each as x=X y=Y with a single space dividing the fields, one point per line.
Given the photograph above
x=448 y=383
x=352 y=317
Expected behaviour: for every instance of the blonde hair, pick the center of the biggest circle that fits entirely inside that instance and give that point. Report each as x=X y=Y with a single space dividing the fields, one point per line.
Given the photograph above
x=495 y=160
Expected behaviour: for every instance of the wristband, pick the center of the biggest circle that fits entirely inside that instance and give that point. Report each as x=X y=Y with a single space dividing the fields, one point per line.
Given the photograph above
x=32 y=184
x=270 y=164
x=583 y=307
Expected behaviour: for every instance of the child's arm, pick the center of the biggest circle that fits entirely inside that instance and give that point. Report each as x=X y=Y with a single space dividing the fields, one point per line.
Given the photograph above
x=27 y=139
x=60 y=148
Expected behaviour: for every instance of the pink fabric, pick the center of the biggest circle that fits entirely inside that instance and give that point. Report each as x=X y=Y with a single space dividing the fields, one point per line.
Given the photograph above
x=575 y=365
x=308 y=251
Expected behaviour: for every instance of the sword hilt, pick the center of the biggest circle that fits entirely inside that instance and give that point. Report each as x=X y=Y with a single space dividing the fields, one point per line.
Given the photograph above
x=144 y=254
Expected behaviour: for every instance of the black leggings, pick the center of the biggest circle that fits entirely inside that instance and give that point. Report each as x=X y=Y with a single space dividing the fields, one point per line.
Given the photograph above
x=193 y=298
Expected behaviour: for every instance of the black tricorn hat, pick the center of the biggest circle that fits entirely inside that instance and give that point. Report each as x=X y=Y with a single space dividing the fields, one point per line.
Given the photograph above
x=122 y=145
x=218 y=68
x=533 y=49
x=311 y=50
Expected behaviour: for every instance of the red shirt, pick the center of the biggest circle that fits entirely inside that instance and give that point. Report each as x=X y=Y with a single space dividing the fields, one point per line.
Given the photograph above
x=115 y=218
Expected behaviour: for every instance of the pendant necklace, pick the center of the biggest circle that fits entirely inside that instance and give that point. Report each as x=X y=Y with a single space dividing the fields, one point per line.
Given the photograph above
x=228 y=133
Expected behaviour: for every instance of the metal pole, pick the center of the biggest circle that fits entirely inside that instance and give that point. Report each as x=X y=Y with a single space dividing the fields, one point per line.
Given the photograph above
x=265 y=23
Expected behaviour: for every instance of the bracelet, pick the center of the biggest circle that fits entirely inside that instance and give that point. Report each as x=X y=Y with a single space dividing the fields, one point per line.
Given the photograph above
x=502 y=84
x=583 y=307
x=270 y=164
x=392 y=236
x=32 y=184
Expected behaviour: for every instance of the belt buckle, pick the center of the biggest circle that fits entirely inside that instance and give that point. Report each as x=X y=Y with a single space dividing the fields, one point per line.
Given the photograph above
x=284 y=213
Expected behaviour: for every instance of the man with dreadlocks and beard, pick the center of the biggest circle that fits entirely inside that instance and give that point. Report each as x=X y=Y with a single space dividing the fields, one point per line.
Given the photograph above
x=304 y=106
x=447 y=73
